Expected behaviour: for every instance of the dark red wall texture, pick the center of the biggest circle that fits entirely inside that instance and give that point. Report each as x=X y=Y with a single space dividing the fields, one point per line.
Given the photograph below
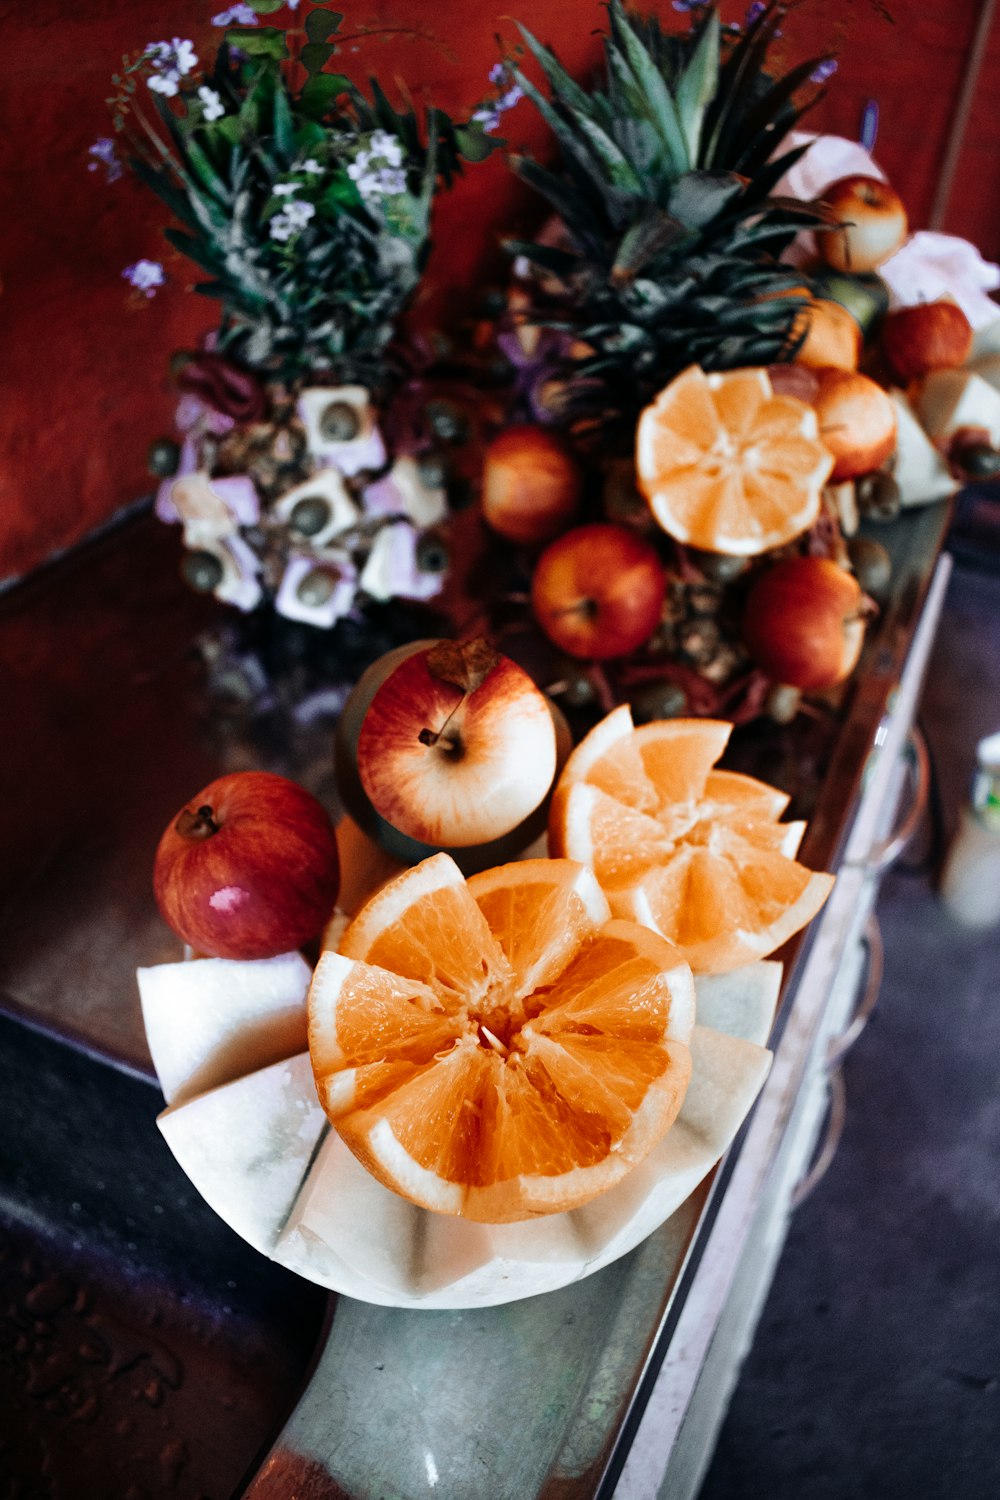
x=83 y=363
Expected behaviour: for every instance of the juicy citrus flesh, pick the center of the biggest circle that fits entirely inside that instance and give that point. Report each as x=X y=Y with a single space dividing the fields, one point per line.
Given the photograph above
x=728 y=466
x=502 y=1047
x=697 y=854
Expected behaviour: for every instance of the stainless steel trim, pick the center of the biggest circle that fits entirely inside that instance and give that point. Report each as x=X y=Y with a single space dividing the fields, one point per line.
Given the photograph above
x=836 y=1119
x=875 y=966
x=882 y=855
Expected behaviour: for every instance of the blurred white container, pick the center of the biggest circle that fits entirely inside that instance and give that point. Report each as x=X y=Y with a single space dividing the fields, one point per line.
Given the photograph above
x=970 y=880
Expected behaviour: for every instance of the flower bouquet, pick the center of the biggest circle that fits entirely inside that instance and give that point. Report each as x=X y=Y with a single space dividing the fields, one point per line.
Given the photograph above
x=306 y=202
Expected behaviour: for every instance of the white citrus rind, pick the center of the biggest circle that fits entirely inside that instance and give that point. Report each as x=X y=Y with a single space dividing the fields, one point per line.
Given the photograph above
x=260 y=1151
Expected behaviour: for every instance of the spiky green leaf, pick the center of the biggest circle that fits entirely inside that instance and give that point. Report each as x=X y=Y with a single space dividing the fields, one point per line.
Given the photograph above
x=698 y=83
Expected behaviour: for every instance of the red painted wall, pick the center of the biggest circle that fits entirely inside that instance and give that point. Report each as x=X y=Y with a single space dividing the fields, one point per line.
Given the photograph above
x=83 y=363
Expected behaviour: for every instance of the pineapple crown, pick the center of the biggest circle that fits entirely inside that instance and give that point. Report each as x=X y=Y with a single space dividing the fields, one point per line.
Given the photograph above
x=668 y=228
x=305 y=199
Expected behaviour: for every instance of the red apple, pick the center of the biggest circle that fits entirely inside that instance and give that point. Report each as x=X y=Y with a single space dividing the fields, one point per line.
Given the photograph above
x=531 y=484
x=457 y=746
x=597 y=591
x=857 y=422
x=373 y=826
x=928 y=336
x=804 y=622
x=872 y=223
x=249 y=868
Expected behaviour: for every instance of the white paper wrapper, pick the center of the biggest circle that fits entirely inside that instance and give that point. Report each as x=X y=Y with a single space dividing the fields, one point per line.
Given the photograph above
x=256 y=1145
x=928 y=267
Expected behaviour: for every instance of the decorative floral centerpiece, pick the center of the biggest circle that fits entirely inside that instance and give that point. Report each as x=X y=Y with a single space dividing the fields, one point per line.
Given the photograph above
x=306 y=202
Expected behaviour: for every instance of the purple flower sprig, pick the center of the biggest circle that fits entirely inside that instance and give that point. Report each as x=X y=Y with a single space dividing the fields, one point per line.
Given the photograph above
x=171 y=61
x=104 y=153
x=489 y=115
x=826 y=70
x=236 y=15
x=146 y=276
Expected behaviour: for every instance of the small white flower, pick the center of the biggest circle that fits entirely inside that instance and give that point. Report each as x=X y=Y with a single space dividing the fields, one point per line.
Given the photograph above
x=171 y=61
x=359 y=166
x=392 y=180
x=214 y=108
x=299 y=212
x=164 y=83
x=145 y=276
x=388 y=147
x=312 y=166
x=185 y=57
x=295 y=217
x=284 y=189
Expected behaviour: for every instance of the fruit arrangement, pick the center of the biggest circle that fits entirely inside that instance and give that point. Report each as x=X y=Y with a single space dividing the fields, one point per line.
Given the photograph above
x=525 y=1048
x=736 y=421
x=539 y=1013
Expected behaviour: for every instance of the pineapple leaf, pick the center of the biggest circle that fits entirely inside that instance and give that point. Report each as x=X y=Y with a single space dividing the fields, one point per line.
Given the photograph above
x=574 y=139
x=560 y=263
x=196 y=250
x=563 y=86
x=652 y=85
x=698 y=198
x=561 y=197
x=698 y=83
x=773 y=111
x=767 y=177
x=642 y=243
x=202 y=169
x=284 y=128
x=739 y=85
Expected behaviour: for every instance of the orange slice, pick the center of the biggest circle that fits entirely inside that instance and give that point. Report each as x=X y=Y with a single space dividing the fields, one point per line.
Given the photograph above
x=500 y=1048
x=696 y=854
x=728 y=466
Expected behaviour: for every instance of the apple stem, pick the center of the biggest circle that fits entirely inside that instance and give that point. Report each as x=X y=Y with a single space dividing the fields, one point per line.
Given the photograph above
x=197 y=825
x=452 y=742
x=588 y=608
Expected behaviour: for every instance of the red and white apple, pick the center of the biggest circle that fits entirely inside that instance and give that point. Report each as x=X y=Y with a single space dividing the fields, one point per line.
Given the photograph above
x=804 y=622
x=531 y=484
x=248 y=868
x=927 y=336
x=457 y=746
x=597 y=591
x=872 y=223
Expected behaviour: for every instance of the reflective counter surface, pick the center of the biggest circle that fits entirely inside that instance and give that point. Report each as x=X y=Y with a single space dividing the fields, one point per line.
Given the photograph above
x=123 y=693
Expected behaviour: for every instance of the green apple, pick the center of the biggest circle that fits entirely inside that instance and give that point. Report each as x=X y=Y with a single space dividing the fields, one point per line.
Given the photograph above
x=864 y=294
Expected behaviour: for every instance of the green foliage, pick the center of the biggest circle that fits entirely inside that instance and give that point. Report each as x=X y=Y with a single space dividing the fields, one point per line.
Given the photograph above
x=305 y=198
x=669 y=230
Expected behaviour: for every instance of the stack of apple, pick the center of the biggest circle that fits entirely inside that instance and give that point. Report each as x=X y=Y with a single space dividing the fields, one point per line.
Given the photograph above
x=443 y=745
